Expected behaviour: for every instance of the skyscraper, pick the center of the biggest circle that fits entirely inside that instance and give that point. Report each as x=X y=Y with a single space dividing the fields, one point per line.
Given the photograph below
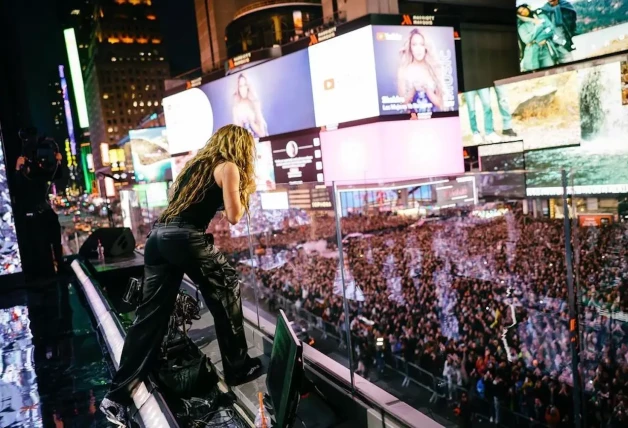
x=124 y=77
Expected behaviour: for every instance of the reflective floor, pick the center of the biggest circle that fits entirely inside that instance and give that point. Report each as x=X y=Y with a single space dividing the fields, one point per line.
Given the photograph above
x=52 y=370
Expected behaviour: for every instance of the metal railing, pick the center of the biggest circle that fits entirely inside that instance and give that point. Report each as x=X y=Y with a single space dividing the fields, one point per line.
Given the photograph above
x=444 y=395
x=267 y=3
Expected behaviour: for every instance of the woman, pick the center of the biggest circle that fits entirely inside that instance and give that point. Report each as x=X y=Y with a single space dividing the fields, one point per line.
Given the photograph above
x=419 y=78
x=219 y=177
x=538 y=38
x=247 y=111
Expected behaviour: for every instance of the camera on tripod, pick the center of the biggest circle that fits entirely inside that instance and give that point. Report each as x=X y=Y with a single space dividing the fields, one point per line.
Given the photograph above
x=39 y=151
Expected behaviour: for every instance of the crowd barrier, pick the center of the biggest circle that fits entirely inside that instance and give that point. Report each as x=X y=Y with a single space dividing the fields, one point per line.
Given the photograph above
x=443 y=394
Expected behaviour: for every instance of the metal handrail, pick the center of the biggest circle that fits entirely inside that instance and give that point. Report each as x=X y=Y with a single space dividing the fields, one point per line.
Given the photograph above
x=263 y=3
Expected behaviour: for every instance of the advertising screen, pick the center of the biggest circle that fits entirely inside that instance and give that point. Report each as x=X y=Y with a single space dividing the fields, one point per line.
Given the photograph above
x=555 y=32
x=189 y=120
x=298 y=159
x=343 y=77
x=151 y=158
x=392 y=150
x=269 y=99
x=600 y=163
x=416 y=69
x=543 y=112
x=505 y=162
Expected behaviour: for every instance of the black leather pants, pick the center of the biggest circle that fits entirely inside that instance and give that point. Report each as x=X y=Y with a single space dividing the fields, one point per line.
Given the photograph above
x=172 y=250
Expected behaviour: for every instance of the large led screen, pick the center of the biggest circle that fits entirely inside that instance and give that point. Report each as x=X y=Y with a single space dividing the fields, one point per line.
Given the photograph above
x=297 y=159
x=11 y=261
x=343 y=77
x=600 y=163
x=505 y=164
x=151 y=158
x=553 y=32
x=189 y=120
x=392 y=150
x=543 y=112
x=416 y=69
x=269 y=99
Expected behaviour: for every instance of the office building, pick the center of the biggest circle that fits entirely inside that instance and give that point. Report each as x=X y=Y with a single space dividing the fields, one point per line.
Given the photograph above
x=125 y=72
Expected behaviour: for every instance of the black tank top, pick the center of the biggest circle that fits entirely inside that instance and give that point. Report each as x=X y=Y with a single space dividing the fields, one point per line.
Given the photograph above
x=202 y=212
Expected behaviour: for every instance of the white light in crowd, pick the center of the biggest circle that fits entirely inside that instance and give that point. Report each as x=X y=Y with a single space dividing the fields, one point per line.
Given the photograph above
x=156 y=103
x=116 y=176
x=134 y=103
x=149 y=103
x=141 y=103
x=124 y=175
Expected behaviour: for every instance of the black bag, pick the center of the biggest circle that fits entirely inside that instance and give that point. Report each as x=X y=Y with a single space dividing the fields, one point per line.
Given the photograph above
x=184 y=370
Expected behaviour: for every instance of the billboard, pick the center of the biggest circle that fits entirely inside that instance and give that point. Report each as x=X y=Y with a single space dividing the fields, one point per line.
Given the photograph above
x=543 y=112
x=298 y=159
x=151 y=157
x=553 y=32
x=344 y=82
x=269 y=99
x=416 y=69
x=392 y=150
x=600 y=164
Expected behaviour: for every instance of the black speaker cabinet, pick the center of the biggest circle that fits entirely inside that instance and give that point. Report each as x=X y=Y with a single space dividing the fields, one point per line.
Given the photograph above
x=116 y=241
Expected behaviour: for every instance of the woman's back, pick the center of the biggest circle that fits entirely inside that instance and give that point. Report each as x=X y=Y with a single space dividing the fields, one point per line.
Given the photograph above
x=201 y=213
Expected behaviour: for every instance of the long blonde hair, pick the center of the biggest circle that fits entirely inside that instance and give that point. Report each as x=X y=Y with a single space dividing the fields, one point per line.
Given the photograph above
x=230 y=143
x=431 y=59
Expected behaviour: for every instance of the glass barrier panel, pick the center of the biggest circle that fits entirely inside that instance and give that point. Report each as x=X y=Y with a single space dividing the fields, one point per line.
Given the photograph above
x=599 y=237
x=455 y=288
x=294 y=258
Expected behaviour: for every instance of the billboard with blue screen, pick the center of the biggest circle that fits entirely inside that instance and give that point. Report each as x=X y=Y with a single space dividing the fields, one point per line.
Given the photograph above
x=151 y=157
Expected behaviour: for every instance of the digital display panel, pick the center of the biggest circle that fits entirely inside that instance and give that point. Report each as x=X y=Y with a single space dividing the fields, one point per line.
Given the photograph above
x=553 y=32
x=298 y=159
x=392 y=150
x=151 y=157
x=600 y=163
x=269 y=99
x=506 y=163
x=344 y=82
x=416 y=69
x=543 y=112
x=189 y=120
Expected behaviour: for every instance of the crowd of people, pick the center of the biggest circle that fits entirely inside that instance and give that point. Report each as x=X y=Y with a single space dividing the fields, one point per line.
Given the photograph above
x=478 y=301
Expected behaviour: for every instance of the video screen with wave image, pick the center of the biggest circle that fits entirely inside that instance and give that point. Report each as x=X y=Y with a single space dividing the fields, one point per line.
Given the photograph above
x=505 y=163
x=553 y=32
x=268 y=220
x=151 y=158
x=600 y=163
x=543 y=112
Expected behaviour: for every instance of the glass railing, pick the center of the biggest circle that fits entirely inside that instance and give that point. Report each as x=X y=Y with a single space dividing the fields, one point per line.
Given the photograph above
x=457 y=295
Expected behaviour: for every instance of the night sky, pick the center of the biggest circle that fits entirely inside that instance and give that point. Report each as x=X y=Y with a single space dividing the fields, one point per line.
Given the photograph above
x=41 y=47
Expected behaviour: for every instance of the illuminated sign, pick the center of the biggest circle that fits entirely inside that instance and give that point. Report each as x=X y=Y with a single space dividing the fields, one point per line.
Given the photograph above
x=330 y=33
x=239 y=60
x=417 y=20
x=77 y=77
x=104 y=154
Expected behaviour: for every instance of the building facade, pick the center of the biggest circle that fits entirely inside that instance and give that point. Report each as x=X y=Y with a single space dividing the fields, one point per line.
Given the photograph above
x=125 y=73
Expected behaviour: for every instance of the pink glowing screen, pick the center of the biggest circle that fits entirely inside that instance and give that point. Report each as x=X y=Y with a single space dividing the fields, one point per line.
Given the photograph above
x=392 y=150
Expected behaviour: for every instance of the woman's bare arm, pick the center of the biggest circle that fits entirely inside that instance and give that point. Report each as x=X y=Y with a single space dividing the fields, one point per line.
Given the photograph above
x=227 y=177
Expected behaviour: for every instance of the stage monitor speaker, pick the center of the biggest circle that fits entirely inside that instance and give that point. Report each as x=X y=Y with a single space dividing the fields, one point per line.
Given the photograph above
x=116 y=241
